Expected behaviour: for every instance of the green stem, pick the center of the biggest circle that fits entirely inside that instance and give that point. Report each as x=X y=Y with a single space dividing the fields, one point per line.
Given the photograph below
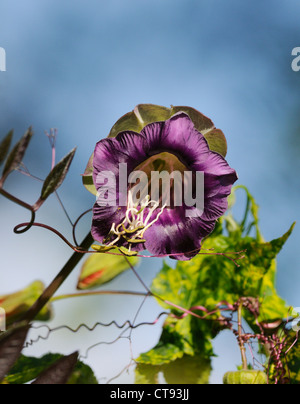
x=241 y=343
x=243 y=223
x=101 y=292
x=58 y=280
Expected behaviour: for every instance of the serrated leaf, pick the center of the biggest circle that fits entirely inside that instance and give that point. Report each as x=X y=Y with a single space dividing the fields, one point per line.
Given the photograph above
x=57 y=176
x=188 y=336
x=5 y=145
x=17 y=154
x=207 y=280
x=11 y=346
x=99 y=269
x=60 y=372
x=16 y=304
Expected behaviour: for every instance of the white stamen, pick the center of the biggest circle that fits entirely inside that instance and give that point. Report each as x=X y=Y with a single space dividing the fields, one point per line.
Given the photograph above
x=134 y=222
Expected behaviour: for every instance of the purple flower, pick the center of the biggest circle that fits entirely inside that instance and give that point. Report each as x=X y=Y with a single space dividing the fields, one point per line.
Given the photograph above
x=172 y=145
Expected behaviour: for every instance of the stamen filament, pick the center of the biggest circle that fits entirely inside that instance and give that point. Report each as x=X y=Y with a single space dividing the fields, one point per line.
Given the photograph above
x=134 y=225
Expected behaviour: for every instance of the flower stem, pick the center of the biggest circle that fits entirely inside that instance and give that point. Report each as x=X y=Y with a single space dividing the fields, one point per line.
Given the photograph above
x=58 y=280
x=240 y=331
x=15 y=200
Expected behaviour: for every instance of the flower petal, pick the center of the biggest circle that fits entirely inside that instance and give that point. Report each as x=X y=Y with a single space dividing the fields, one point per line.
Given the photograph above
x=103 y=219
x=174 y=234
x=127 y=147
x=171 y=231
x=216 y=164
x=218 y=185
x=178 y=136
x=214 y=208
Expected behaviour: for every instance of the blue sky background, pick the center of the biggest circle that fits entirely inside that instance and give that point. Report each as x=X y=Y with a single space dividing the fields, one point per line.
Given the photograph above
x=78 y=66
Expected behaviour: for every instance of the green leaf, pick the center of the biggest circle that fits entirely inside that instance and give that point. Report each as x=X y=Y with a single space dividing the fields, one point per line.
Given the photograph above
x=60 y=372
x=292 y=359
x=147 y=374
x=177 y=285
x=99 y=269
x=163 y=353
x=188 y=336
x=11 y=346
x=27 y=369
x=87 y=177
x=5 y=145
x=207 y=280
x=57 y=176
x=272 y=306
x=17 y=154
x=16 y=304
x=82 y=374
x=211 y=278
x=186 y=370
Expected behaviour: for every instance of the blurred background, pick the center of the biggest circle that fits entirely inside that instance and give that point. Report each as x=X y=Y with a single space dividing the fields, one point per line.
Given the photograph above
x=78 y=66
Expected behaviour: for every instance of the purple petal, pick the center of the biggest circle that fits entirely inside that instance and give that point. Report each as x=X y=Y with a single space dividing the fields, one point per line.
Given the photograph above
x=179 y=137
x=215 y=164
x=214 y=208
x=103 y=219
x=218 y=185
x=173 y=233
x=127 y=147
x=177 y=235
